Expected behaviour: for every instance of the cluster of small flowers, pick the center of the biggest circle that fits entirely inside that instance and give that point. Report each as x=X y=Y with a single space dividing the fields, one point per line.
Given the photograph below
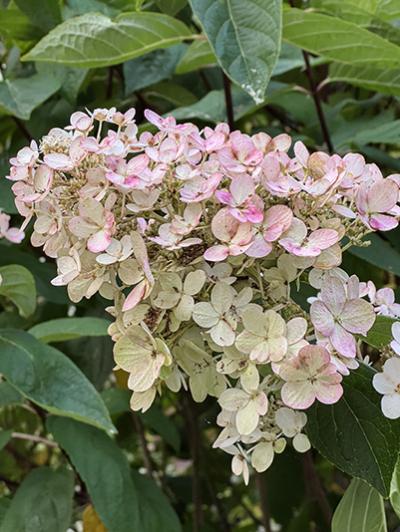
x=198 y=239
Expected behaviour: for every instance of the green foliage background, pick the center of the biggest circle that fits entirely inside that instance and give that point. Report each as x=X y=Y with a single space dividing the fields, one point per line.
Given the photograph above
x=70 y=449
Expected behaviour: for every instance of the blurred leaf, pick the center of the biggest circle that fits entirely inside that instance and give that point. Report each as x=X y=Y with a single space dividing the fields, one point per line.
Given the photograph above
x=6 y=196
x=42 y=271
x=151 y=68
x=171 y=7
x=116 y=400
x=246 y=39
x=9 y=395
x=43 y=502
x=380 y=335
x=70 y=79
x=172 y=93
x=338 y=39
x=354 y=434
x=91 y=521
x=19 y=97
x=18 y=285
x=63 y=329
x=42 y=13
x=387 y=9
x=75 y=8
x=5 y=436
x=155 y=509
x=385 y=134
x=163 y=425
x=94 y=40
x=380 y=253
x=361 y=508
x=395 y=489
x=48 y=378
x=15 y=25
x=380 y=80
x=198 y=55
x=104 y=469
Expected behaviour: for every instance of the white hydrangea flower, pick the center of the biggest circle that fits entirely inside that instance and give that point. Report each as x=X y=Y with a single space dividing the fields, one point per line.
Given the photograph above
x=249 y=405
x=280 y=276
x=117 y=251
x=292 y=422
x=387 y=383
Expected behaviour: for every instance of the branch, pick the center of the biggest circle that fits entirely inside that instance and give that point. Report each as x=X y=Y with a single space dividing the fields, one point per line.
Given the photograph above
x=228 y=101
x=21 y=126
x=262 y=492
x=143 y=443
x=194 y=441
x=33 y=438
x=314 y=487
x=316 y=97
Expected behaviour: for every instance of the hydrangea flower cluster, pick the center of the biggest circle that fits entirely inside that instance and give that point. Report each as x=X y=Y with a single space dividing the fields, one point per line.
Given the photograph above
x=200 y=238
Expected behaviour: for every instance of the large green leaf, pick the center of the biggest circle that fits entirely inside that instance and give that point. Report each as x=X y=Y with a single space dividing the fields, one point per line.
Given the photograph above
x=380 y=80
x=42 y=13
x=5 y=437
x=63 y=329
x=246 y=39
x=94 y=40
x=18 y=285
x=155 y=509
x=20 y=96
x=198 y=55
x=354 y=434
x=395 y=489
x=43 y=502
x=338 y=40
x=9 y=395
x=16 y=25
x=380 y=253
x=49 y=378
x=380 y=334
x=104 y=469
x=171 y=7
x=361 y=509
x=151 y=68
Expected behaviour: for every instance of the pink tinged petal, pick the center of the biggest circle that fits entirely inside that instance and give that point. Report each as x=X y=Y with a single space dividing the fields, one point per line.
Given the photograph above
x=99 y=241
x=299 y=395
x=343 y=342
x=358 y=316
x=241 y=188
x=390 y=405
x=259 y=248
x=277 y=220
x=321 y=318
x=323 y=238
x=301 y=152
x=15 y=235
x=224 y=225
x=344 y=211
x=224 y=197
x=329 y=393
x=135 y=296
x=333 y=294
x=216 y=253
x=58 y=161
x=382 y=196
x=382 y=222
x=396 y=331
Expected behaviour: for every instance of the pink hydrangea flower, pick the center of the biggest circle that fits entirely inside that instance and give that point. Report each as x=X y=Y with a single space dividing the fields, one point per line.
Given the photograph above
x=338 y=313
x=277 y=220
x=297 y=241
x=310 y=376
x=12 y=234
x=375 y=204
x=241 y=199
x=95 y=223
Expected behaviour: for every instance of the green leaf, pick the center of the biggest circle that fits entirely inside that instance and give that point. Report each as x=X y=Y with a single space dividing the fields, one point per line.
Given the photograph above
x=18 y=285
x=380 y=253
x=395 y=489
x=94 y=40
x=155 y=510
x=171 y=7
x=70 y=79
x=104 y=469
x=354 y=434
x=380 y=80
x=63 y=329
x=388 y=133
x=42 y=271
x=5 y=437
x=48 y=378
x=6 y=195
x=42 y=13
x=15 y=25
x=20 y=96
x=116 y=400
x=198 y=55
x=338 y=40
x=151 y=68
x=80 y=7
x=246 y=39
x=43 y=502
x=9 y=395
x=361 y=509
x=380 y=334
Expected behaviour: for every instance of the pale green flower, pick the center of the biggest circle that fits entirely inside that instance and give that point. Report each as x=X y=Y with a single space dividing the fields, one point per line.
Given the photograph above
x=248 y=405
